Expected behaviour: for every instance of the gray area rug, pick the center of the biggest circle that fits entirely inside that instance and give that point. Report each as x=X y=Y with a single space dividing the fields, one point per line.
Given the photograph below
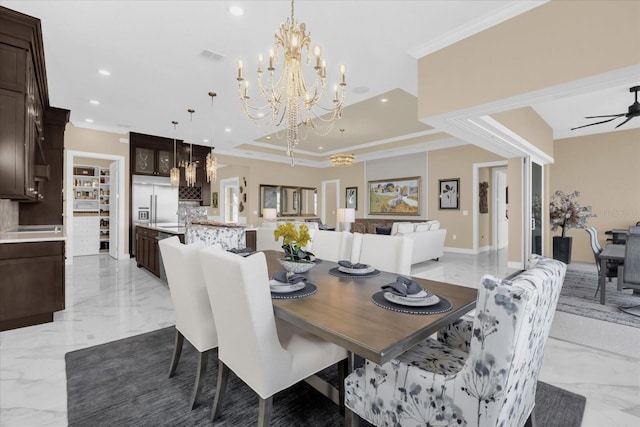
x=125 y=383
x=577 y=297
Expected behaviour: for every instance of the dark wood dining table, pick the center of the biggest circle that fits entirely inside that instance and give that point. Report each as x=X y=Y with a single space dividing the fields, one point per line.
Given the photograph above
x=341 y=311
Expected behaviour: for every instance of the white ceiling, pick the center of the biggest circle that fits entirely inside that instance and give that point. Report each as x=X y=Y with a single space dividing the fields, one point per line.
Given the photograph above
x=154 y=51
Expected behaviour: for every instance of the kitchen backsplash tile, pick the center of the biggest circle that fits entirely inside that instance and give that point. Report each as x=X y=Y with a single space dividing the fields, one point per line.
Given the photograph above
x=9 y=214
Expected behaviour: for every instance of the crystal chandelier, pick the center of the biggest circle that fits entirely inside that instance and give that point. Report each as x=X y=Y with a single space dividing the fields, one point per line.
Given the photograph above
x=342 y=159
x=175 y=172
x=212 y=162
x=190 y=167
x=289 y=96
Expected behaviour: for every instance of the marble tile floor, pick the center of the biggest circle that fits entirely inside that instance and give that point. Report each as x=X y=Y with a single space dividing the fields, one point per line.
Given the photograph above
x=109 y=300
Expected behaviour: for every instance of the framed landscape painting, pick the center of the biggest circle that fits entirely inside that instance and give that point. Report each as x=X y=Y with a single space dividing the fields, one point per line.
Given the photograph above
x=449 y=193
x=397 y=196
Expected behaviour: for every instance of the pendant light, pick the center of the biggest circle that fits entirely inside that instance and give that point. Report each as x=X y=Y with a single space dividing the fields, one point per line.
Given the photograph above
x=175 y=172
x=212 y=162
x=190 y=168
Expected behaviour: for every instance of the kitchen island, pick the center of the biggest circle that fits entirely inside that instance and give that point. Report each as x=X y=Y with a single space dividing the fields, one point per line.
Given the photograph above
x=229 y=237
x=148 y=235
x=32 y=284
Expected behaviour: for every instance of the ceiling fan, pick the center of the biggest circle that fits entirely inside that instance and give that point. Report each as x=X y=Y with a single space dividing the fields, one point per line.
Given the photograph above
x=634 y=111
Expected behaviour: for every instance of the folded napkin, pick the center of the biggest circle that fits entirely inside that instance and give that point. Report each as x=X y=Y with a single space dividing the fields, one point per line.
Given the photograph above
x=288 y=277
x=347 y=264
x=403 y=286
x=241 y=250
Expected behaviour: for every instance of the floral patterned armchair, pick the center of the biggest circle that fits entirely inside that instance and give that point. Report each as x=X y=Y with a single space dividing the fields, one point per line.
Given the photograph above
x=480 y=373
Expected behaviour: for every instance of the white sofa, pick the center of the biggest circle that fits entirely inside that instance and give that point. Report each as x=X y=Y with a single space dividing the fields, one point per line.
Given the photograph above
x=428 y=239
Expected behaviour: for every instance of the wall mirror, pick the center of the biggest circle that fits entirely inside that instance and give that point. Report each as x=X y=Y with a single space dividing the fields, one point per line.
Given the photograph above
x=288 y=200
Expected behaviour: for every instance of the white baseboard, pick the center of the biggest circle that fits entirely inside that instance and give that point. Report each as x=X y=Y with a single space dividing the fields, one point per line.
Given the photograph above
x=486 y=248
x=460 y=250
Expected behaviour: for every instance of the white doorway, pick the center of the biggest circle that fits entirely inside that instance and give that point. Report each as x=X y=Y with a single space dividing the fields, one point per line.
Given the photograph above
x=500 y=208
x=330 y=202
x=229 y=199
x=117 y=188
x=476 y=199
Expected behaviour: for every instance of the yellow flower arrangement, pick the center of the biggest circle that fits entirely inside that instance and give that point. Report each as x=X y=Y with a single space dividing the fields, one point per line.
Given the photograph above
x=293 y=240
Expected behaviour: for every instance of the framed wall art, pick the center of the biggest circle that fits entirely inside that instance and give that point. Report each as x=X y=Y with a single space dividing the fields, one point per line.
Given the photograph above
x=449 y=192
x=351 y=198
x=396 y=196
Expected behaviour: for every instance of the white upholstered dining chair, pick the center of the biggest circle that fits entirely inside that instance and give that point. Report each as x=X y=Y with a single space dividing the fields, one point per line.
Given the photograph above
x=194 y=320
x=386 y=253
x=480 y=373
x=332 y=245
x=268 y=354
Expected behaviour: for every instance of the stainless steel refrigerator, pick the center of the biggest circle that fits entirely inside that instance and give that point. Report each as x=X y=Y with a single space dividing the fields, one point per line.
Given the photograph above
x=155 y=201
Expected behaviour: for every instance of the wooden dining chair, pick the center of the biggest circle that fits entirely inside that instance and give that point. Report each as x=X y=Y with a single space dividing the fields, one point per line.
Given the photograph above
x=480 y=373
x=194 y=319
x=612 y=266
x=629 y=272
x=269 y=355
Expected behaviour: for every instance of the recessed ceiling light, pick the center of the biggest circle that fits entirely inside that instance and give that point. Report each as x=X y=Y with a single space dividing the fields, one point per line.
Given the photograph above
x=227 y=129
x=205 y=140
x=384 y=100
x=104 y=72
x=236 y=10
x=320 y=148
x=94 y=102
x=268 y=138
x=88 y=120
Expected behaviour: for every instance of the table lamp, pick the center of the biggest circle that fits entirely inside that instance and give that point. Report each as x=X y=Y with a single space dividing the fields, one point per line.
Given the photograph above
x=269 y=214
x=344 y=217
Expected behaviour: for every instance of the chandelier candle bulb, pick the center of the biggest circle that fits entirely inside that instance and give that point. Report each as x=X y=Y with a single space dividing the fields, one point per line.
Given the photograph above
x=240 y=65
x=260 y=59
x=271 y=54
x=246 y=89
x=343 y=70
x=324 y=69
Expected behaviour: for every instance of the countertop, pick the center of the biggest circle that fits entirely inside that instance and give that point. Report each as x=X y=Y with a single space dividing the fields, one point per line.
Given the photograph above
x=32 y=236
x=165 y=228
x=174 y=228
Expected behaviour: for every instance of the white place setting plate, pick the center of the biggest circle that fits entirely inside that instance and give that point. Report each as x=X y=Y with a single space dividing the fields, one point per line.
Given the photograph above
x=283 y=288
x=413 y=301
x=357 y=271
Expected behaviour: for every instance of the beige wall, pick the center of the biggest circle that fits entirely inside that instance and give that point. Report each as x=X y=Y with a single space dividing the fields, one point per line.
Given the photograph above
x=549 y=45
x=456 y=163
x=604 y=168
x=259 y=172
x=530 y=126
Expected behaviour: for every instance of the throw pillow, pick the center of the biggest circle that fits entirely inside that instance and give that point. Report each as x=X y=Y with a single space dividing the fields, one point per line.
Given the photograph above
x=404 y=227
x=423 y=227
x=435 y=225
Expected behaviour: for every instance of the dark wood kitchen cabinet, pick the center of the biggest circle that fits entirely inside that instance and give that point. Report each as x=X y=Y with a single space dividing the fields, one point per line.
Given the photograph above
x=31 y=150
x=32 y=286
x=150 y=155
x=147 y=250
